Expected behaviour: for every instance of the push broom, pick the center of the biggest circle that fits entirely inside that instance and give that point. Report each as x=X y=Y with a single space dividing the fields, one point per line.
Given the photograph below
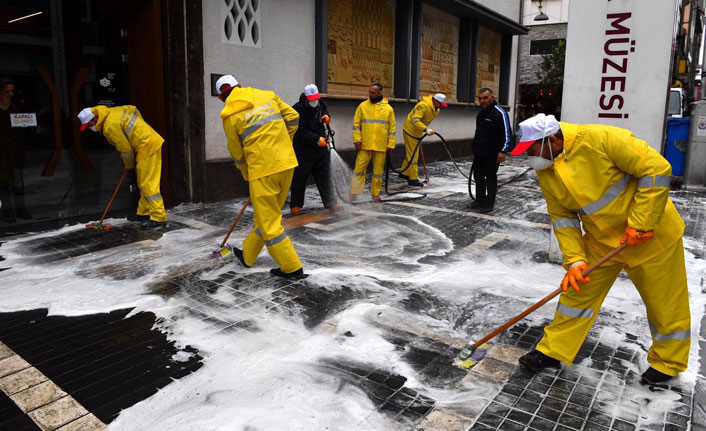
x=100 y=225
x=474 y=352
x=224 y=249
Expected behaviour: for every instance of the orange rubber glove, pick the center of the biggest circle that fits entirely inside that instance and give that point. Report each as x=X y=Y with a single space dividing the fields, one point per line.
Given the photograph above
x=326 y=118
x=358 y=145
x=636 y=237
x=429 y=131
x=574 y=274
x=322 y=142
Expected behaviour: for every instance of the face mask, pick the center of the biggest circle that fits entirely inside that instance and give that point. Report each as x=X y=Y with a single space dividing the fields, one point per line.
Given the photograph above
x=313 y=103
x=93 y=128
x=539 y=162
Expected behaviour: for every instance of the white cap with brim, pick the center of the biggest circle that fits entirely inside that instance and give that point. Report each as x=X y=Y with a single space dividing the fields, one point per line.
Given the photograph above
x=441 y=98
x=226 y=80
x=311 y=92
x=538 y=127
x=85 y=116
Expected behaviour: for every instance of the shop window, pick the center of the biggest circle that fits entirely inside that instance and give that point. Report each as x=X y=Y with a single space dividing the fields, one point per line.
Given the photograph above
x=361 y=37
x=489 y=52
x=543 y=47
x=439 y=62
x=241 y=22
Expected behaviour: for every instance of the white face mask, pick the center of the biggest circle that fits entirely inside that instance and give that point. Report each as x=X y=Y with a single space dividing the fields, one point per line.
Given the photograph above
x=93 y=128
x=539 y=162
x=314 y=103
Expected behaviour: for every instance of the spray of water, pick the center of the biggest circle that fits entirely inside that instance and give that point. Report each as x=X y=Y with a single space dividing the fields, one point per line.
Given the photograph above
x=340 y=176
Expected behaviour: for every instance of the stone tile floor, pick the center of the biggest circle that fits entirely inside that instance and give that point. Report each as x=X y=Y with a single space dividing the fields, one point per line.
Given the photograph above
x=597 y=393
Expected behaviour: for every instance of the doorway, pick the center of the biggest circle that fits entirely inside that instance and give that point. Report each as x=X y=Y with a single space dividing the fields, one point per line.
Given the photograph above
x=60 y=56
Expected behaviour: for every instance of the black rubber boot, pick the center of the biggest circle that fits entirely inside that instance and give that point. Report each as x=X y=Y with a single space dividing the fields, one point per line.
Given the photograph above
x=239 y=254
x=138 y=218
x=655 y=378
x=414 y=183
x=536 y=360
x=296 y=275
x=154 y=224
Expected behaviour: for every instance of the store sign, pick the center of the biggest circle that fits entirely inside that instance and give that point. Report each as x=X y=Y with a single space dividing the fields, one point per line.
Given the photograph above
x=618 y=55
x=23 y=120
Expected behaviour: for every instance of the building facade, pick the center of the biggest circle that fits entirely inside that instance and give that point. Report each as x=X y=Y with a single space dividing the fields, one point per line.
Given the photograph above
x=165 y=56
x=547 y=24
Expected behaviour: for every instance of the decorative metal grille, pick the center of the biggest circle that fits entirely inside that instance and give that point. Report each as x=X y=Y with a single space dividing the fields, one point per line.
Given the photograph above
x=240 y=21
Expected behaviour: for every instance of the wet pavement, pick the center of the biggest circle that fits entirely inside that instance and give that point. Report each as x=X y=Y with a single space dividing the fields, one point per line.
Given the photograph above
x=379 y=277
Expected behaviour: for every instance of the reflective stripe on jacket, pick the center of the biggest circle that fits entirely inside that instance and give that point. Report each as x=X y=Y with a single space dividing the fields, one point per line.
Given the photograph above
x=259 y=128
x=420 y=117
x=374 y=125
x=608 y=179
x=127 y=131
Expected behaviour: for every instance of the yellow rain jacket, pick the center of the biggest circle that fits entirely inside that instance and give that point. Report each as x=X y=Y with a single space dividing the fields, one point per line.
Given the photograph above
x=259 y=128
x=609 y=179
x=374 y=126
x=421 y=116
x=127 y=131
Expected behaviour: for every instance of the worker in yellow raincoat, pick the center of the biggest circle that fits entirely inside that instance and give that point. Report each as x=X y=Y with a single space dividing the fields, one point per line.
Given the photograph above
x=140 y=148
x=259 y=128
x=416 y=126
x=616 y=187
x=373 y=135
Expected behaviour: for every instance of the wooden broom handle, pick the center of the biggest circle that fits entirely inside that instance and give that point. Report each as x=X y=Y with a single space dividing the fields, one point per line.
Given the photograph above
x=235 y=222
x=549 y=297
x=113 y=198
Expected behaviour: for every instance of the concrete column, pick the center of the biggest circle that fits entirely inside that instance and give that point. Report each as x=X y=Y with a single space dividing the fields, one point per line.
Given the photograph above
x=695 y=169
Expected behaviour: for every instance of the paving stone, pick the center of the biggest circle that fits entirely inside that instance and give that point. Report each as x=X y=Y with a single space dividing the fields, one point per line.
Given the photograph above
x=21 y=380
x=5 y=352
x=37 y=396
x=494 y=369
x=12 y=365
x=508 y=354
x=85 y=423
x=58 y=413
x=621 y=425
x=440 y=421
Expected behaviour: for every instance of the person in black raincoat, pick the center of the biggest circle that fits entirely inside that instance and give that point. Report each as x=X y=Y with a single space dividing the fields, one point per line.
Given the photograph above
x=312 y=151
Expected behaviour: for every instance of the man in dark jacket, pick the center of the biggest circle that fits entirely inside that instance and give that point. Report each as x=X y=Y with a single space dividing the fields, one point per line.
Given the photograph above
x=490 y=144
x=312 y=151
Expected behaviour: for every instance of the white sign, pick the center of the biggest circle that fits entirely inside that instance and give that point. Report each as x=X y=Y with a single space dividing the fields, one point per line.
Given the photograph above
x=701 y=126
x=23 y=120
x=617 y=66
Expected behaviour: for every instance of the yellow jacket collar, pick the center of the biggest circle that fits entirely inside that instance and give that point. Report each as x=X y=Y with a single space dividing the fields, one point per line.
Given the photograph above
x=238 y=100
x=101 y=112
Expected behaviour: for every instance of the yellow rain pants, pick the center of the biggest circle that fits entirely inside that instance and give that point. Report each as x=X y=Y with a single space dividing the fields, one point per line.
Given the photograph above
x=412 y=172
x=417 y=122
x=268 y=195
x=149 y=172
x=361 y=167
x=661 y=282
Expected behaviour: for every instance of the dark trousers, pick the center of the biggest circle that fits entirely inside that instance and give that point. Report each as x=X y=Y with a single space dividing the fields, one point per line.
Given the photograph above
x=320 y=167
x=485 y=174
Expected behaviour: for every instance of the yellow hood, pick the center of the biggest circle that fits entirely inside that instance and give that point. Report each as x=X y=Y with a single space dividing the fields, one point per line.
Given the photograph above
x=427 y=100
x=239 y=100
x=100 y=111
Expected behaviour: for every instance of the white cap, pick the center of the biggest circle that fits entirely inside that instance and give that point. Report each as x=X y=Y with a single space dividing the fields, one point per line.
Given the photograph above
x=85 y=116
x=311 y=92
x=226 y=79
x=441 y=98
x=538 y=127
